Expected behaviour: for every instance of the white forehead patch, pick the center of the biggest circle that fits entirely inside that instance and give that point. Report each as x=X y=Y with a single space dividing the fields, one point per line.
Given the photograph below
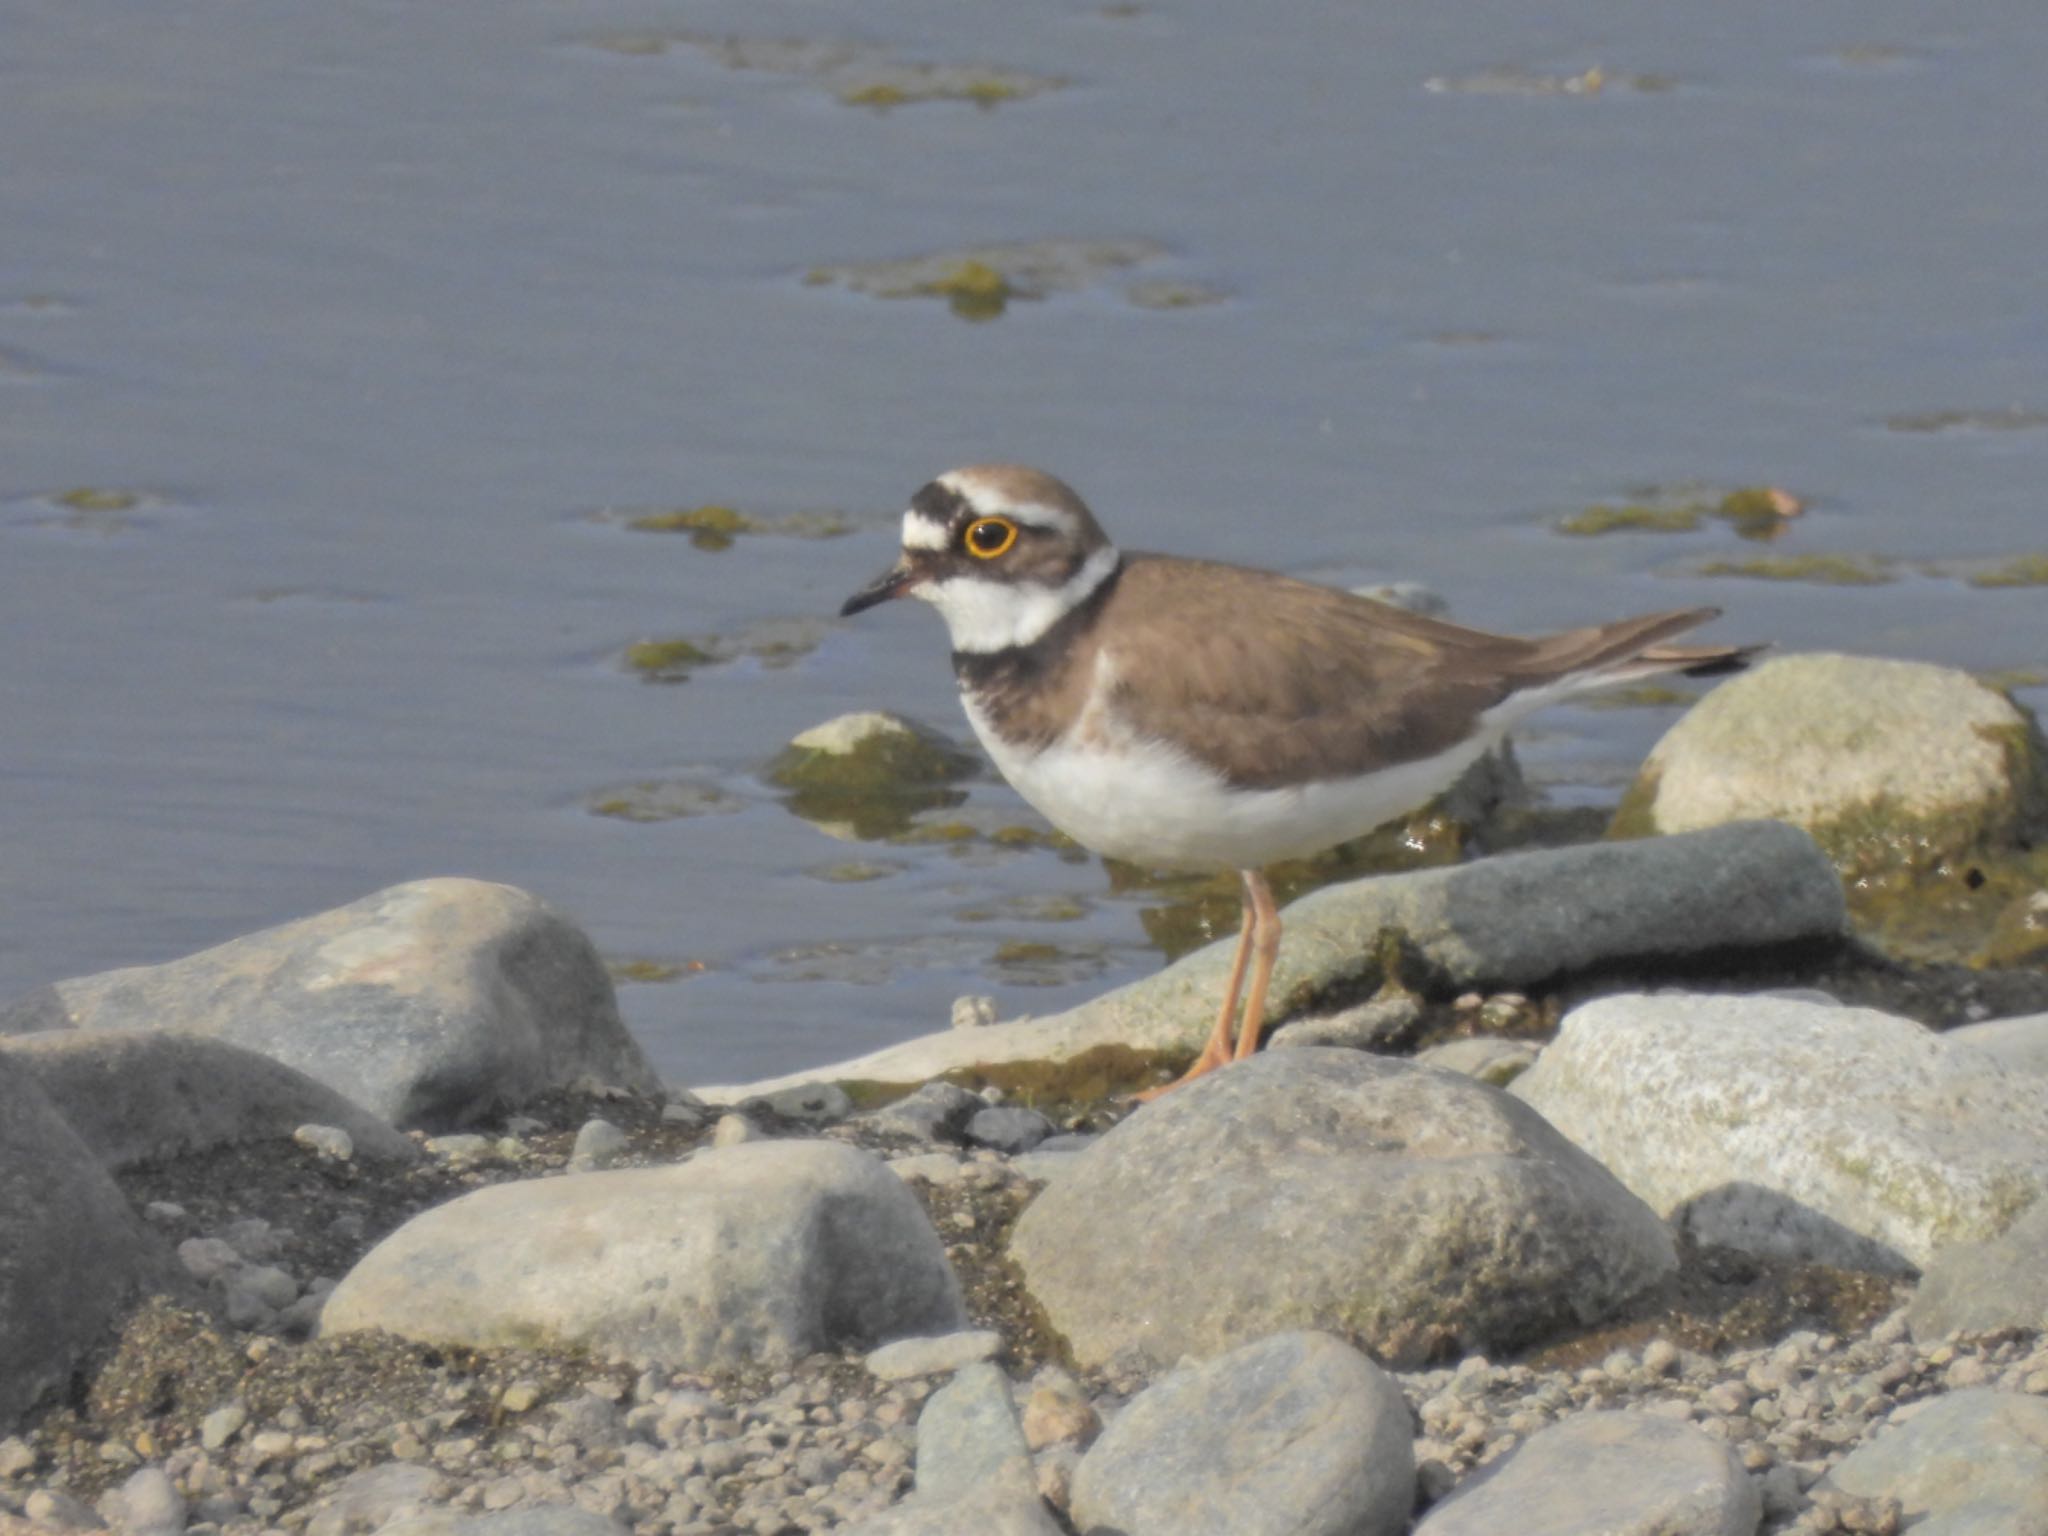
x=920 y=532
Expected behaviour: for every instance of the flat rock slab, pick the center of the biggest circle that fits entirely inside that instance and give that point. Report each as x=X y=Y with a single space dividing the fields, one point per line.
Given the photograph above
x=1970 y=1464
x=968 y=1437
x=137 y=1096
x=1796 y=1130
x=1985 y=1287
x=1295 y=1435
x=1408 y=1207
x=1618 y=1474
x=745 y=1255
x=1513 y=921
x=72 y=1253
x=427 y=1004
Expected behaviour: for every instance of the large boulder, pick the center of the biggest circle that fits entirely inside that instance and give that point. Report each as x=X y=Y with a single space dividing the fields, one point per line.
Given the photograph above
x=1970 y=1464
x=1514 y=921
x=427 y=1004
x=762 y=1252
x=1879 y=760
x=1986 y=1287
x=1796 y=1129
x=73 y=1256
x=1620 y=1474
x=1295 y=1435
x=1927 y=787
x=141 y=1096
x=1410 y=1208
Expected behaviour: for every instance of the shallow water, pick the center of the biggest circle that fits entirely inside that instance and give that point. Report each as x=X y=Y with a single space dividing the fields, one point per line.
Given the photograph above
x=374 y=306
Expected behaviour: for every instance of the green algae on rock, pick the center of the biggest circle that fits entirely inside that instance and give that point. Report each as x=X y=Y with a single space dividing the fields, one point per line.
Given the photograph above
x=1928 y=789
x=867 y=775
x=979 y=281
x=666 y=661
x=2017 y=571
x=715 y=526
x=664 y=800
x=1825 y=570
x=1757 y=512
x=859 y=74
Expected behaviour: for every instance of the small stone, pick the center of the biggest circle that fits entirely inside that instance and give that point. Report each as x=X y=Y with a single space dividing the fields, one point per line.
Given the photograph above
x=207 y=1258
x=150 y=1504
x=1660 y=1357
x=734 y=1128
x=811 y=1103
x=223 y=1424
x=519 y=1397
x=16 y=1456
x=599 y=1144
x=464 y=1148
x=164 y=1212
x=936 y=1355
x=1008 y=1128
x=973 y=1012
x=1058 y=1413
x=329 y=1141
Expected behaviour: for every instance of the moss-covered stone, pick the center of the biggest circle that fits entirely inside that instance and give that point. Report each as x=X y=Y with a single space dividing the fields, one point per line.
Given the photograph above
x=1928 y=790
x=1632 y=517
x=2019 y=934
x=666 y=661
x=2018 y=571
x=1825 y=570
x=870 y=774
x=974 y=290
x=90 y=498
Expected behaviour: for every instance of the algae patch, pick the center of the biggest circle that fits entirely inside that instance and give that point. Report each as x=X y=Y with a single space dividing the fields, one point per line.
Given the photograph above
x=2018 y=571
x=980 y=282
x=1758 y=512
x=1825 y=570
x=868 y=775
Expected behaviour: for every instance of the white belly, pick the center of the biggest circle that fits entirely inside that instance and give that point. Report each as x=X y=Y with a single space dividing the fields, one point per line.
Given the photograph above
x=1144 y=801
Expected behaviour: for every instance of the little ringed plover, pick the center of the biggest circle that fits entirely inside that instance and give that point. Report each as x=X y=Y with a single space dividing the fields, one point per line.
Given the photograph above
x=1185 y=714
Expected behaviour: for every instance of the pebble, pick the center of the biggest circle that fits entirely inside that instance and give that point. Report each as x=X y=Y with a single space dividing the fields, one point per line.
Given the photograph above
x=329 y=1141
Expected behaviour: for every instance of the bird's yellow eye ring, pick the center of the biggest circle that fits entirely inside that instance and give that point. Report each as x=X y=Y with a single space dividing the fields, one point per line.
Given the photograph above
x=988 y=537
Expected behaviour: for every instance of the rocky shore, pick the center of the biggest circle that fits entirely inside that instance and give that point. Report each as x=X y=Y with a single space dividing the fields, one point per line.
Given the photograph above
x=1646 y=1185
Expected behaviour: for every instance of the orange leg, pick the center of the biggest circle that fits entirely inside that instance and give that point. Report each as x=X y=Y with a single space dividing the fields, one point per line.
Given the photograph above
x=1260 y=917
x=1265 y=918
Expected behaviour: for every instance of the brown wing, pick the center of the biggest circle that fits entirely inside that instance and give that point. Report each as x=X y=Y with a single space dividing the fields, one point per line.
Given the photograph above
x=1281 y=681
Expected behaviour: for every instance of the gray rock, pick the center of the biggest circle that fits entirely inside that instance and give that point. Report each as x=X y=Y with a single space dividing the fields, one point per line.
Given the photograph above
x=330 y=1141
x=1934 y=758
x=375 y=1497
x=968 y=1437
x=1486 y=1057
x=1295 y=1435
x=426 y=1004
x=148 y=1504
x=138 y=1096
x=1969 y=1464
x=1410 y=1208
x=734 y=1130
x=811 y=1104
x=1377 y=1024
x=1984 y=1287
x=937 y=1111
x=534 y=1520
x=2018 y=1045
x=1620 y=1474
x=1839 y=1135
x=1511 y=921
x=73 y=1255
x=1008 y=1128
x=934 y=1356
x=599 y=1144
x=758 y=1253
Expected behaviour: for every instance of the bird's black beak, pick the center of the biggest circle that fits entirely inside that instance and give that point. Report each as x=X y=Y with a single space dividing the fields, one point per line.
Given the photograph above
x=893 y=582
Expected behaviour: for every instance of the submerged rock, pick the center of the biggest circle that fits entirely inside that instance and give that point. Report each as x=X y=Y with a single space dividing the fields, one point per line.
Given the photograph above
x=1795 y=1130
x=866 y=775
x=1410 y=1208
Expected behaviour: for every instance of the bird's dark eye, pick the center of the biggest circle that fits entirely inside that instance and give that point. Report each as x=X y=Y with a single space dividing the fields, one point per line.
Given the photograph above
x=988 y=537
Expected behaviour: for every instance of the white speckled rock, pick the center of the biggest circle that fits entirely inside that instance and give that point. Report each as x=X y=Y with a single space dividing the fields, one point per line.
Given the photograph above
x=2018 y=1045
x=1786 y=1128
x=757 y=1253
x=1295 y=1435
x=1322 y=1188
x=1620 y=1474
